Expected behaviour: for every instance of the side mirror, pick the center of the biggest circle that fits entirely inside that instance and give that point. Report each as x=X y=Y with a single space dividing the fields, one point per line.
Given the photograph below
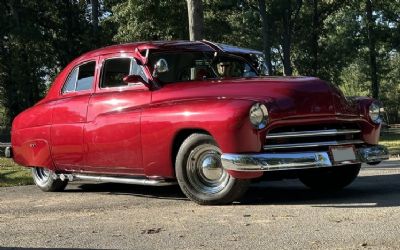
x=161 y=66
x=132 y=80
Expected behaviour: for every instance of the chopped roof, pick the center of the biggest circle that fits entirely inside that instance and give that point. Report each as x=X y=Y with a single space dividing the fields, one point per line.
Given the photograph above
x=171 y=45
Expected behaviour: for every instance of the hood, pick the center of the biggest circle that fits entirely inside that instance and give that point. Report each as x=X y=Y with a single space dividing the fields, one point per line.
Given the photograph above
x=284 y=96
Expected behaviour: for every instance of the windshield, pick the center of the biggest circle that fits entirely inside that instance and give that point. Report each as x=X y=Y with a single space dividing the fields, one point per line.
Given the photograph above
x=194 y=66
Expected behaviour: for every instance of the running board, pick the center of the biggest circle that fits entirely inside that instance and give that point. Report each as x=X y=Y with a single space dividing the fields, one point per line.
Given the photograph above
x=122 y=180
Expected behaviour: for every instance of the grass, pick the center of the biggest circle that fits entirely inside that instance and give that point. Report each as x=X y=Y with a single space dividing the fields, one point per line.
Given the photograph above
x=11 y=174
x=392 y=142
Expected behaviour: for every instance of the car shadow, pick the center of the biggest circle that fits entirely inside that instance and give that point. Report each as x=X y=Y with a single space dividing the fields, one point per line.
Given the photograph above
x=26 y=248
x=365 y=191
x=166 y=192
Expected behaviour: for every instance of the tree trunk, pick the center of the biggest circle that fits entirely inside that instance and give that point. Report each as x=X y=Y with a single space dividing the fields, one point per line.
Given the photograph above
x=196 y=19
x=95 y=15
x=265 y=34
x=372 y=50
x=287 y=39
x=315 y=38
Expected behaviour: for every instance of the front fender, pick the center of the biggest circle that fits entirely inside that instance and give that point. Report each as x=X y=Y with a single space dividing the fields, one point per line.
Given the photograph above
x=370 y=130
x=224 y=119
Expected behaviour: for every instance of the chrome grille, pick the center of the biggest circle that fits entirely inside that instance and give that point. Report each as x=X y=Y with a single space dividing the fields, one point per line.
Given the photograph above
x=321 y=136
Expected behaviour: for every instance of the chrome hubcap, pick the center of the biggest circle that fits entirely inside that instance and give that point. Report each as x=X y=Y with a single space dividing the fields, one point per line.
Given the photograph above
x=42 y=175
x=211 y=167
x=204 y=170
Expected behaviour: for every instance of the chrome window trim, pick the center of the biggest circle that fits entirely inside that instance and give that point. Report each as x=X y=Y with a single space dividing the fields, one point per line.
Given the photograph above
x=130 y=71
x=103 y=63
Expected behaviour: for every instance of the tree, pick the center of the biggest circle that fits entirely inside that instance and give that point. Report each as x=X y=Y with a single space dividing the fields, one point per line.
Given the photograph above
x=34 y=47
x=354 y=45
x=266 y=35
x=138 y=20
x=289 y=18
x=371 y=47
x=196 y=19
x=95 y=15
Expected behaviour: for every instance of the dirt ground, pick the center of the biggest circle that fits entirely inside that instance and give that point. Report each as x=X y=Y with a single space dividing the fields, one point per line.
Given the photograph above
x=272 y=215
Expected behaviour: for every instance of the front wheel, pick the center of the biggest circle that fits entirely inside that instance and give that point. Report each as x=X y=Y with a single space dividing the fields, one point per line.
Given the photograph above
x=200 y=173
x=44 y=180
x=332 y=179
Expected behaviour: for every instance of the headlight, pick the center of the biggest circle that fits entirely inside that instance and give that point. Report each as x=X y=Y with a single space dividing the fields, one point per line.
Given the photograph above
x=258 y=115
x=374 y=113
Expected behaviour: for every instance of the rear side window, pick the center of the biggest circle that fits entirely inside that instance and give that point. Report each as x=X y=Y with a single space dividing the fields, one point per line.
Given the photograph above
x=69 y=86
x=81 y=78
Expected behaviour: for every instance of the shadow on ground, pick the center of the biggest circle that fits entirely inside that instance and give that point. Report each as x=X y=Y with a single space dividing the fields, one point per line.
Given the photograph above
x=366 y=191
x=167 y=192
x=24 y=248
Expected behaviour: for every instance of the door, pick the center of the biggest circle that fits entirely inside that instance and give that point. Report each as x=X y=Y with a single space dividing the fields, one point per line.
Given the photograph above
x=112 y=132
x=69 y=117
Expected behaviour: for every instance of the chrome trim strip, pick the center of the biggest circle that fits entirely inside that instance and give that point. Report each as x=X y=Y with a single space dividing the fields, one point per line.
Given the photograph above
x=123 y=180
x=312 y=144
x=298 y=160
x=329 y=132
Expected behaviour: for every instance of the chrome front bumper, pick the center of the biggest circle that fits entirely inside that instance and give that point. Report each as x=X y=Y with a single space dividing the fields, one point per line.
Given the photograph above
x=294 y=161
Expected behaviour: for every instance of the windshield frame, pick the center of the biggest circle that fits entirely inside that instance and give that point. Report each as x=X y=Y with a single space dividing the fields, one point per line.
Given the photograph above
x=214 y=56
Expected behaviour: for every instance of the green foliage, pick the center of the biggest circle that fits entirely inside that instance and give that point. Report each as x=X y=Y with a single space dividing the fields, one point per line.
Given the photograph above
x=338 y=40
x=139 y=20
x=21 y=61
x=327 y=38
x=37 y=39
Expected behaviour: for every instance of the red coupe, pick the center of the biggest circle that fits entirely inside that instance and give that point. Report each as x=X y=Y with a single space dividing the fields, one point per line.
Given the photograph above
x=199 y=113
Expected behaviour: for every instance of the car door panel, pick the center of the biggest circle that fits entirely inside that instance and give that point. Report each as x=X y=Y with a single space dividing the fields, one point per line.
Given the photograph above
x=112 y=133
x=69 y=116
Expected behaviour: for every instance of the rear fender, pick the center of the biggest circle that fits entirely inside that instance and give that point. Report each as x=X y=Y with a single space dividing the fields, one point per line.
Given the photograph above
x=31 y=147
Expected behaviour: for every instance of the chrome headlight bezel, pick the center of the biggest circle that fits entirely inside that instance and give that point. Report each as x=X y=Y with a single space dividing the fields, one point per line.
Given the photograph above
x=374 y=112
x=258 y=115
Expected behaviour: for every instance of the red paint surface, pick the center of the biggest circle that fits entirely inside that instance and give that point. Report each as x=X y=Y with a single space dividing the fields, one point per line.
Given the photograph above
x=132 y=130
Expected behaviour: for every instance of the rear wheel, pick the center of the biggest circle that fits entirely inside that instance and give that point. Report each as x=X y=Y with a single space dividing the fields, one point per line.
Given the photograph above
x=43 y=178
x=200 y=173
x=332 y=179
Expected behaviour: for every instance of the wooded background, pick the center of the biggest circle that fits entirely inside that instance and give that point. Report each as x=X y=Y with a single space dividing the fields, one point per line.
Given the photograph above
x=353 y=44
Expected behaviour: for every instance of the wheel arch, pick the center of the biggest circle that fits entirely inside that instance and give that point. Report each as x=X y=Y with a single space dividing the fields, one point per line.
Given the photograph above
x=179 y=138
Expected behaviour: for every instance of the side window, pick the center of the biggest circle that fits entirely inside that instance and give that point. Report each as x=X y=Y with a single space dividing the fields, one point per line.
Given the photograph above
x=69 y=85
x=114 y=70
x=81 y=78
x=138 y=70
x=86 y=76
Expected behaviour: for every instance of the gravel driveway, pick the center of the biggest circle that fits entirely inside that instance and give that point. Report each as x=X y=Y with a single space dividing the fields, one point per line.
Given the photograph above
x=273 y=215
